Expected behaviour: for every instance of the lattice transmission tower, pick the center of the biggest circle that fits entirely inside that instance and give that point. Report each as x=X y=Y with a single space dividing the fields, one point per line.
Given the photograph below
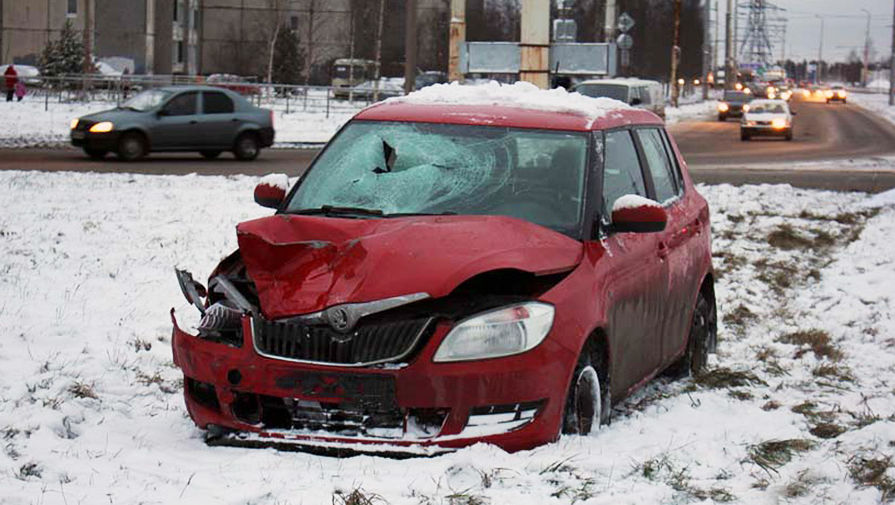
x=764 y=28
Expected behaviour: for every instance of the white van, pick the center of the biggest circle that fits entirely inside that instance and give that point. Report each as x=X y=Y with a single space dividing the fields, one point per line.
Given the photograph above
x=640 y=93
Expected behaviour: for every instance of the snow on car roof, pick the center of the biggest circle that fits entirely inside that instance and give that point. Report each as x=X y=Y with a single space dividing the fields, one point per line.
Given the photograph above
x=522 y=95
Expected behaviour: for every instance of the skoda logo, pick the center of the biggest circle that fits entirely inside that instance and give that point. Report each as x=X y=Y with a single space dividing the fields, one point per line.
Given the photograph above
x=339 y=318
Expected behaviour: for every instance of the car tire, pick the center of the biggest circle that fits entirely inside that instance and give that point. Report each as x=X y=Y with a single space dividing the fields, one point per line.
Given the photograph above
x=246 y=147
x=702 y=339
x=744 y=136
x=131 y=146
x=96 y=154
x=210 y=155
x=588 y=404
x=722 y=118
x=788 y=135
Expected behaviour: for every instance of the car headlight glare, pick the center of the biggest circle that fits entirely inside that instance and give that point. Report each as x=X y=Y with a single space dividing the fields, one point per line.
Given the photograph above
x=778 y=123
x=103 y=127
x=500 y=332
x=723 y=107
x=74 y=123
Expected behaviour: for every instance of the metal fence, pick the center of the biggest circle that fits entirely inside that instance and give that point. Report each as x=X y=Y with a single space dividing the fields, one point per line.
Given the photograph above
x=285 y=98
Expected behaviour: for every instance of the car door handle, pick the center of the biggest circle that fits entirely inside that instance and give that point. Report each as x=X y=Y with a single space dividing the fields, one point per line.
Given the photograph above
x=662 y=250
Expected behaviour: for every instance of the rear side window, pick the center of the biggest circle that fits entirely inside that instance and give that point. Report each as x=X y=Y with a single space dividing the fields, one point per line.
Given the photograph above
x=675 y=166
x=216 y=103
x=658 y=163
x=183 y=104
x=621 y=169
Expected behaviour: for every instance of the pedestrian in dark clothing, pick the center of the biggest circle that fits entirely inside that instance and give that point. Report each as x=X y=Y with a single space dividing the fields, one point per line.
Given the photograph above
x=11 y=77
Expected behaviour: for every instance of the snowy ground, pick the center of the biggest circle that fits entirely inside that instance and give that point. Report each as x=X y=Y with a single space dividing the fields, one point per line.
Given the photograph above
x=874 y=102
x=798 y=407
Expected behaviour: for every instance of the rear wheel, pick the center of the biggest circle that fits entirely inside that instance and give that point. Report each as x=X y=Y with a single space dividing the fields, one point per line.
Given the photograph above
x=588 y=403
x=246 y=147
x=96 y=154
x=131 y=146
x=210 y=155
x=702 y=340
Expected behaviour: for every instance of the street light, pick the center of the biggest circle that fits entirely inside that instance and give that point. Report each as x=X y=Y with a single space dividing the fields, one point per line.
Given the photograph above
x=864 y=74
x=820 y=50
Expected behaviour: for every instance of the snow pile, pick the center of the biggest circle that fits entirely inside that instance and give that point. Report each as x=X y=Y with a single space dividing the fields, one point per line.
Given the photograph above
x=280 y=181
x=520 y=94
x=877 y=103
x=698 y=111
x=797 y=407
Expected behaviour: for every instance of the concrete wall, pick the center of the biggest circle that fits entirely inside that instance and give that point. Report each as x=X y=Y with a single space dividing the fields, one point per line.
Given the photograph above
x=121 y=30
x=29 y=24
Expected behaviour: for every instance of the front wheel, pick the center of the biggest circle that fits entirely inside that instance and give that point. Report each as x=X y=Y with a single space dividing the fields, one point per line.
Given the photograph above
x=131 y=146
x=588 y=404
x=789 y=135
x=743 y=135
x=246 y=147
x=722 y=118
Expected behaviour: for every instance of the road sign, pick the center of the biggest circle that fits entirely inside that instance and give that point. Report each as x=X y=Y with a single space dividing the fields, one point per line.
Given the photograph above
x=625 y=22
x=625 y=41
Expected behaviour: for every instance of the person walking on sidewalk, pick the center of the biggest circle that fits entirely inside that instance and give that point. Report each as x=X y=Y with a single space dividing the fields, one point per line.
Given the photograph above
x=20 y=90
x=11 y=77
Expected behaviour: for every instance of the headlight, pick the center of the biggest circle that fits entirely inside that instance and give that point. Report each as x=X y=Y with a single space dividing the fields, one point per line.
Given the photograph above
x=746 y=107
x=778 y=123
x=74 y=123
x=104 y=127
x=501 y=332
x=723 y=107
x=841 y=94
x=828 y=94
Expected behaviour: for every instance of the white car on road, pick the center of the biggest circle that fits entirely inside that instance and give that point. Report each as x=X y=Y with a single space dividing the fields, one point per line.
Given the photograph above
x=766 y=117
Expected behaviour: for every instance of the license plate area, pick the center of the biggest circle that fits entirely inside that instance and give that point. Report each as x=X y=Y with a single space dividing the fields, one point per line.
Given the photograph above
x=361 y=390
x=78 y=135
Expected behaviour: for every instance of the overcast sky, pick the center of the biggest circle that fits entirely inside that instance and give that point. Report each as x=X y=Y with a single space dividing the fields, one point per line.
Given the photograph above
x=844 y=27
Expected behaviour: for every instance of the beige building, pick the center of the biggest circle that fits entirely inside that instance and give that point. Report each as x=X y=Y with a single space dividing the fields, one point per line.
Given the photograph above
x=27 y=25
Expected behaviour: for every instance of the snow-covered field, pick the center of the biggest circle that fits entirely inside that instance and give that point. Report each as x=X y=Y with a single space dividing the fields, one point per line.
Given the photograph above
x=798 y=407
x=877 y=103
x=27 y=124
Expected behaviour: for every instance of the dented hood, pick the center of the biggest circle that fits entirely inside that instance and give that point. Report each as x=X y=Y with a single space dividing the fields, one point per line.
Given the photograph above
x=303 y=264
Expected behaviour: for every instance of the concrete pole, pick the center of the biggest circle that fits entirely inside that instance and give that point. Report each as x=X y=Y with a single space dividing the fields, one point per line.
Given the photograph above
x=410 y=47
x=892 y=62
x=379 y=50
x=728 y=47
x=534 y=47
x=457 y=38
x=717 y=39
x=609 y=21
x=706 y=48
x=866 y=69
x=820 y=51
x=675 y=54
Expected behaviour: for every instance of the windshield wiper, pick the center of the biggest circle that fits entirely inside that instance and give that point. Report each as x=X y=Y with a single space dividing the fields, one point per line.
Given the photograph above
x=332 y=210
x=405 y=214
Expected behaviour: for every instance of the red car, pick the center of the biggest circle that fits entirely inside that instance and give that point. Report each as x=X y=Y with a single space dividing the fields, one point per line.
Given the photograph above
x=448 y=273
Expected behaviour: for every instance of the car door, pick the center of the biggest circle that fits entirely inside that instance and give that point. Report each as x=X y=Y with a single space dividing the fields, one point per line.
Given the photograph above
x=219 y=121
x=674 y=241
x=176 y=124
x=633 y=279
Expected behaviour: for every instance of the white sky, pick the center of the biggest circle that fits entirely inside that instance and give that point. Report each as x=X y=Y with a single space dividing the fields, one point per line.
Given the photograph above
x=844 y=27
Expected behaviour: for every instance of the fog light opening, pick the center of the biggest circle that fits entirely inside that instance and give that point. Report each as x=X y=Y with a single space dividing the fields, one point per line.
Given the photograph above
x=234 y=377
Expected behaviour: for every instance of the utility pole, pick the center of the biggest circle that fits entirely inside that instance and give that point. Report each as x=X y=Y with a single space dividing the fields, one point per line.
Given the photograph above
x=88 y=43
x=866 y=70
x=534 y=45
x=379 y=50
x=457 y=38
x=717 y=39
x=609 y=21
x=675 y=53
x=892 y=62
x=728 y=47
x=706 y=47
x=820 y=51
x=351 y=56
x=410 y=47
x=309 y=57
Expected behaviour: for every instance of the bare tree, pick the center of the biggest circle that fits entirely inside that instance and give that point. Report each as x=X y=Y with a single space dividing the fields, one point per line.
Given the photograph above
x=276 y=19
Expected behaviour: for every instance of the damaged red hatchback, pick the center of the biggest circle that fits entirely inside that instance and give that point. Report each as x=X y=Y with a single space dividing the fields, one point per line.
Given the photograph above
x=452 y=273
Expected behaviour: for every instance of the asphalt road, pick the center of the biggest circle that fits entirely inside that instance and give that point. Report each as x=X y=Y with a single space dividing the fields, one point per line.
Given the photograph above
x=713 y=150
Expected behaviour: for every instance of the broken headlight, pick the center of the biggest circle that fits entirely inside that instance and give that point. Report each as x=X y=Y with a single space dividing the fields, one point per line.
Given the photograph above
x=502 y=332
x=221 y=323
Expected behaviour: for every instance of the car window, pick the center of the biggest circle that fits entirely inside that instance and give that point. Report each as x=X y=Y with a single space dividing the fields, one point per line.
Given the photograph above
x=616 y=91
x=621 y=170
x=214 y=102
x=183 y=104
x=644 y=96
x=658 y=163
x=675 y=166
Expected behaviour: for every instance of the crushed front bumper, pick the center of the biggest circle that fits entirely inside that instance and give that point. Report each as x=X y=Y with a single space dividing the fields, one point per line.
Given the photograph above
x=418 y=407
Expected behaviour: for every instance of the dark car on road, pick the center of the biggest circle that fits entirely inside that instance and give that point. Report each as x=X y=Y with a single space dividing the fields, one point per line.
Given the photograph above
x=732 y=104
x=206 y=119
x=453 y=270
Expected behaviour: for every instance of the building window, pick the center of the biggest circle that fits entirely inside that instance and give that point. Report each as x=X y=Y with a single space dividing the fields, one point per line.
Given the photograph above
x=72 y=8
x=195 y=20
x=178 y=51
x=293 y=23
x=178 y=11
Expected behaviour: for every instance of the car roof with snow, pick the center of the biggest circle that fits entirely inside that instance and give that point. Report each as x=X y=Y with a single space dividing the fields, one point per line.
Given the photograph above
x=519 y=105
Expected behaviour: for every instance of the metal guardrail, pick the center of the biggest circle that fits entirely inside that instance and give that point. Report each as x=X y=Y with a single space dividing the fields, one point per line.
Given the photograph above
x=284 y=98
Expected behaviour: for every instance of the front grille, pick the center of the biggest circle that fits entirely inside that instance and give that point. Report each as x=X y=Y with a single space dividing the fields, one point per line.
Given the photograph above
x=84 y=124
x=368 y=343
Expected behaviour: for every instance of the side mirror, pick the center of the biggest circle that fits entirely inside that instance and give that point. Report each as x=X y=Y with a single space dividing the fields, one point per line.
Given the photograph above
x=271 y=191
x=792 y=113
x=636 y=101
x=636 y=214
